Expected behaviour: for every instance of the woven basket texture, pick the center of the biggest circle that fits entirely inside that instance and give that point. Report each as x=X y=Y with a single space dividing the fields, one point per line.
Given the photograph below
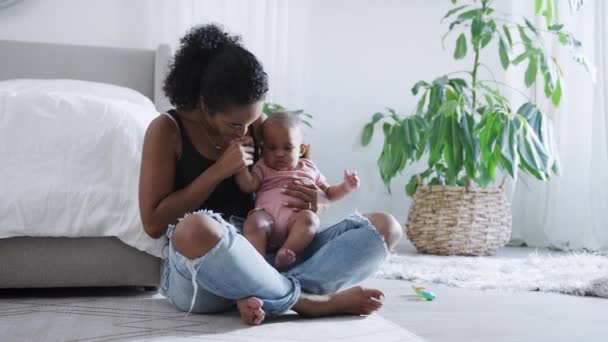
x=454 y=220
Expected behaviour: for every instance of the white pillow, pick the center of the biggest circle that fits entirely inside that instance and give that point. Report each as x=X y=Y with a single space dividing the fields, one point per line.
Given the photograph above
x=66 y=86
x=70 y=153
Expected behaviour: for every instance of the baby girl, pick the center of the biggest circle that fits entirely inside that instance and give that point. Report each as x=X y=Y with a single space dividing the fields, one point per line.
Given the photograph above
x=271 y=224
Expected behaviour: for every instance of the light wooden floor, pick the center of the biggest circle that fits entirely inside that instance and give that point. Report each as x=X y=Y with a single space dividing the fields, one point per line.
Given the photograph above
x=95 y=315
x=471 y=315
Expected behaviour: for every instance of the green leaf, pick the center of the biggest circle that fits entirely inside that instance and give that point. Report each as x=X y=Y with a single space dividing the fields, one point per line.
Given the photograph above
x=393 y=115
x=548 y=83
x=417 y=86
x=386 y=128
x=533 y=116
x=487 y=138
x=548 y=13
x=524 y=55
x=423 y=133
x=531 y=26
x=542 y=153
x=407 y=141
x=420 y=108
x=556 y=27
x=421 y=123
x=508 y=149
x=524 y=37
x=454 y=1
x=508 y=34
x=434 y=181
x=448 y=107
x=557 y=93
x=412 y=186
x=449 y=156
x=562 y=38
x=469 y=14
x=476 y=29
x=458 y=84
x=487 y=33
x=461 y=47
x=470 y=146
x=485 y=39
x=502 y=52
x=270 y=107
x=454 y=10
x=538 y=5
x=413 y=133
x=456 y=145
x=530 y=76
x=368 y=131
x=377 y=117
x=392 y=160
x=436 y=140
x=530 y=162
x=547 y=75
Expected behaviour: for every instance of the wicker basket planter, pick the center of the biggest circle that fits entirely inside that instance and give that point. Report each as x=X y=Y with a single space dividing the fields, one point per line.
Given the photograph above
x=454 y=220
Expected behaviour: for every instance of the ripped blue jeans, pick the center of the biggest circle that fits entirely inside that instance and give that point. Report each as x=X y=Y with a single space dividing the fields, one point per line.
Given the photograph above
x=339 y=256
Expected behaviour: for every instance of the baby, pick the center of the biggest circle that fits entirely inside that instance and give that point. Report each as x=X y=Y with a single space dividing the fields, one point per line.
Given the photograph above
x=272 y=224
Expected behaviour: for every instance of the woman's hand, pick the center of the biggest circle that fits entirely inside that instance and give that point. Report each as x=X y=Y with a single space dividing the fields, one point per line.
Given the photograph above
x=238 y=155
x=313 y=198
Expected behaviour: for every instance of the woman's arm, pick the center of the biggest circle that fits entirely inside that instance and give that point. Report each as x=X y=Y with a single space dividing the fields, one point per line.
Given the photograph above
x=159 y=204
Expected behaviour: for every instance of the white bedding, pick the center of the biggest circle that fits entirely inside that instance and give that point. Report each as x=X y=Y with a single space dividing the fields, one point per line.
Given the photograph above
x=70 y=153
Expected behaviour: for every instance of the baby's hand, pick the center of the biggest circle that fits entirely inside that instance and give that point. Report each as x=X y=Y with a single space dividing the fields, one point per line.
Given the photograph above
x=351 y=180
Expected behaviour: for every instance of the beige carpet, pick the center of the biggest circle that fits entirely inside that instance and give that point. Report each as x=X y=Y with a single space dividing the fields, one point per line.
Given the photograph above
x=583 y=274
x=128 y=315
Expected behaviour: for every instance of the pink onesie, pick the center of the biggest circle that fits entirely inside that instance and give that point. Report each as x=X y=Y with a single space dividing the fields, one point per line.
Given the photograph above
x=271 y=199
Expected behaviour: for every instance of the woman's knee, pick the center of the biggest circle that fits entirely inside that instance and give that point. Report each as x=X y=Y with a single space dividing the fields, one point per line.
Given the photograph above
x=196 y=234
x=388 y=226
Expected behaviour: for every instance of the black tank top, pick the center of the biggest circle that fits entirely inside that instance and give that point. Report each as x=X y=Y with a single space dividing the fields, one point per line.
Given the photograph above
x=227 y=199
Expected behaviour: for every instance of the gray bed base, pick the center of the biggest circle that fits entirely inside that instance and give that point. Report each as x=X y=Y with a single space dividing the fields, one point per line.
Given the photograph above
x=35 y=262
x=39 y=262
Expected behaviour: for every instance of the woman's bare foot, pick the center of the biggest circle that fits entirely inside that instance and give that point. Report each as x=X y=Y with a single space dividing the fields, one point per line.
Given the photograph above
x=251 y=310
x=356 y=300
x=284 y=258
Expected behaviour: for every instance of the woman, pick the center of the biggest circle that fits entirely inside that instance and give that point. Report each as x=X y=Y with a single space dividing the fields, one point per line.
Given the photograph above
x=190 y=156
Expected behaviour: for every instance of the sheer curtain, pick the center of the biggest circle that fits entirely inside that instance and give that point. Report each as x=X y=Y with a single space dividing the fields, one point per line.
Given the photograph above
x=571 y=210
x=271 y=29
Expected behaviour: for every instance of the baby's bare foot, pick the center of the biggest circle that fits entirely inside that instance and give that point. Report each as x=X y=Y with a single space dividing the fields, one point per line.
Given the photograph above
x=251 y=310
x=284 y=258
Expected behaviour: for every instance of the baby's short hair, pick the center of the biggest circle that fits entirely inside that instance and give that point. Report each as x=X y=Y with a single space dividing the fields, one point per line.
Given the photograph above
x=284 y=119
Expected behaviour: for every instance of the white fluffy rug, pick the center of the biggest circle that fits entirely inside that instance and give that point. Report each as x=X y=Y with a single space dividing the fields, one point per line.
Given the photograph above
x=582 y=274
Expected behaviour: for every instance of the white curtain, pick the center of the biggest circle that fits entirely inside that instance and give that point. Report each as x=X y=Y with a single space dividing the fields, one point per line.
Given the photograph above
x=571 y=210
x=270 y=29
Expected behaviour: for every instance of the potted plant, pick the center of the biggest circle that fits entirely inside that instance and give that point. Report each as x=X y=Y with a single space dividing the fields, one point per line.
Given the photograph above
x=468 y=132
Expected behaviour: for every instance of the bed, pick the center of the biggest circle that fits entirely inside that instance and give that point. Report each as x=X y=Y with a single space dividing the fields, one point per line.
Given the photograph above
x=80 y=261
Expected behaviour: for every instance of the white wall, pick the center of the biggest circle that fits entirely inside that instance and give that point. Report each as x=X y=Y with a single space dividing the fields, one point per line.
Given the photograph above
x=359 y=57
x=115 y=23
x=365 y=56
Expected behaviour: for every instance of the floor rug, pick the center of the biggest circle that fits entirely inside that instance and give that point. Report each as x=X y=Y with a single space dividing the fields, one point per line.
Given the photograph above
x=570 y=273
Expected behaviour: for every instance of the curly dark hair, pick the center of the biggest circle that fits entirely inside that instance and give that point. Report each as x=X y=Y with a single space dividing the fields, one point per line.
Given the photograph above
x=213 y=64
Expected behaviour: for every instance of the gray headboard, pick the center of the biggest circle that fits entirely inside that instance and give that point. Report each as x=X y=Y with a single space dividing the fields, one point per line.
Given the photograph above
x=139 y=69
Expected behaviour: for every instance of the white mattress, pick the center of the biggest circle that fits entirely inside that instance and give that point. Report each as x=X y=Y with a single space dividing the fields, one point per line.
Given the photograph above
x=70 y=154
